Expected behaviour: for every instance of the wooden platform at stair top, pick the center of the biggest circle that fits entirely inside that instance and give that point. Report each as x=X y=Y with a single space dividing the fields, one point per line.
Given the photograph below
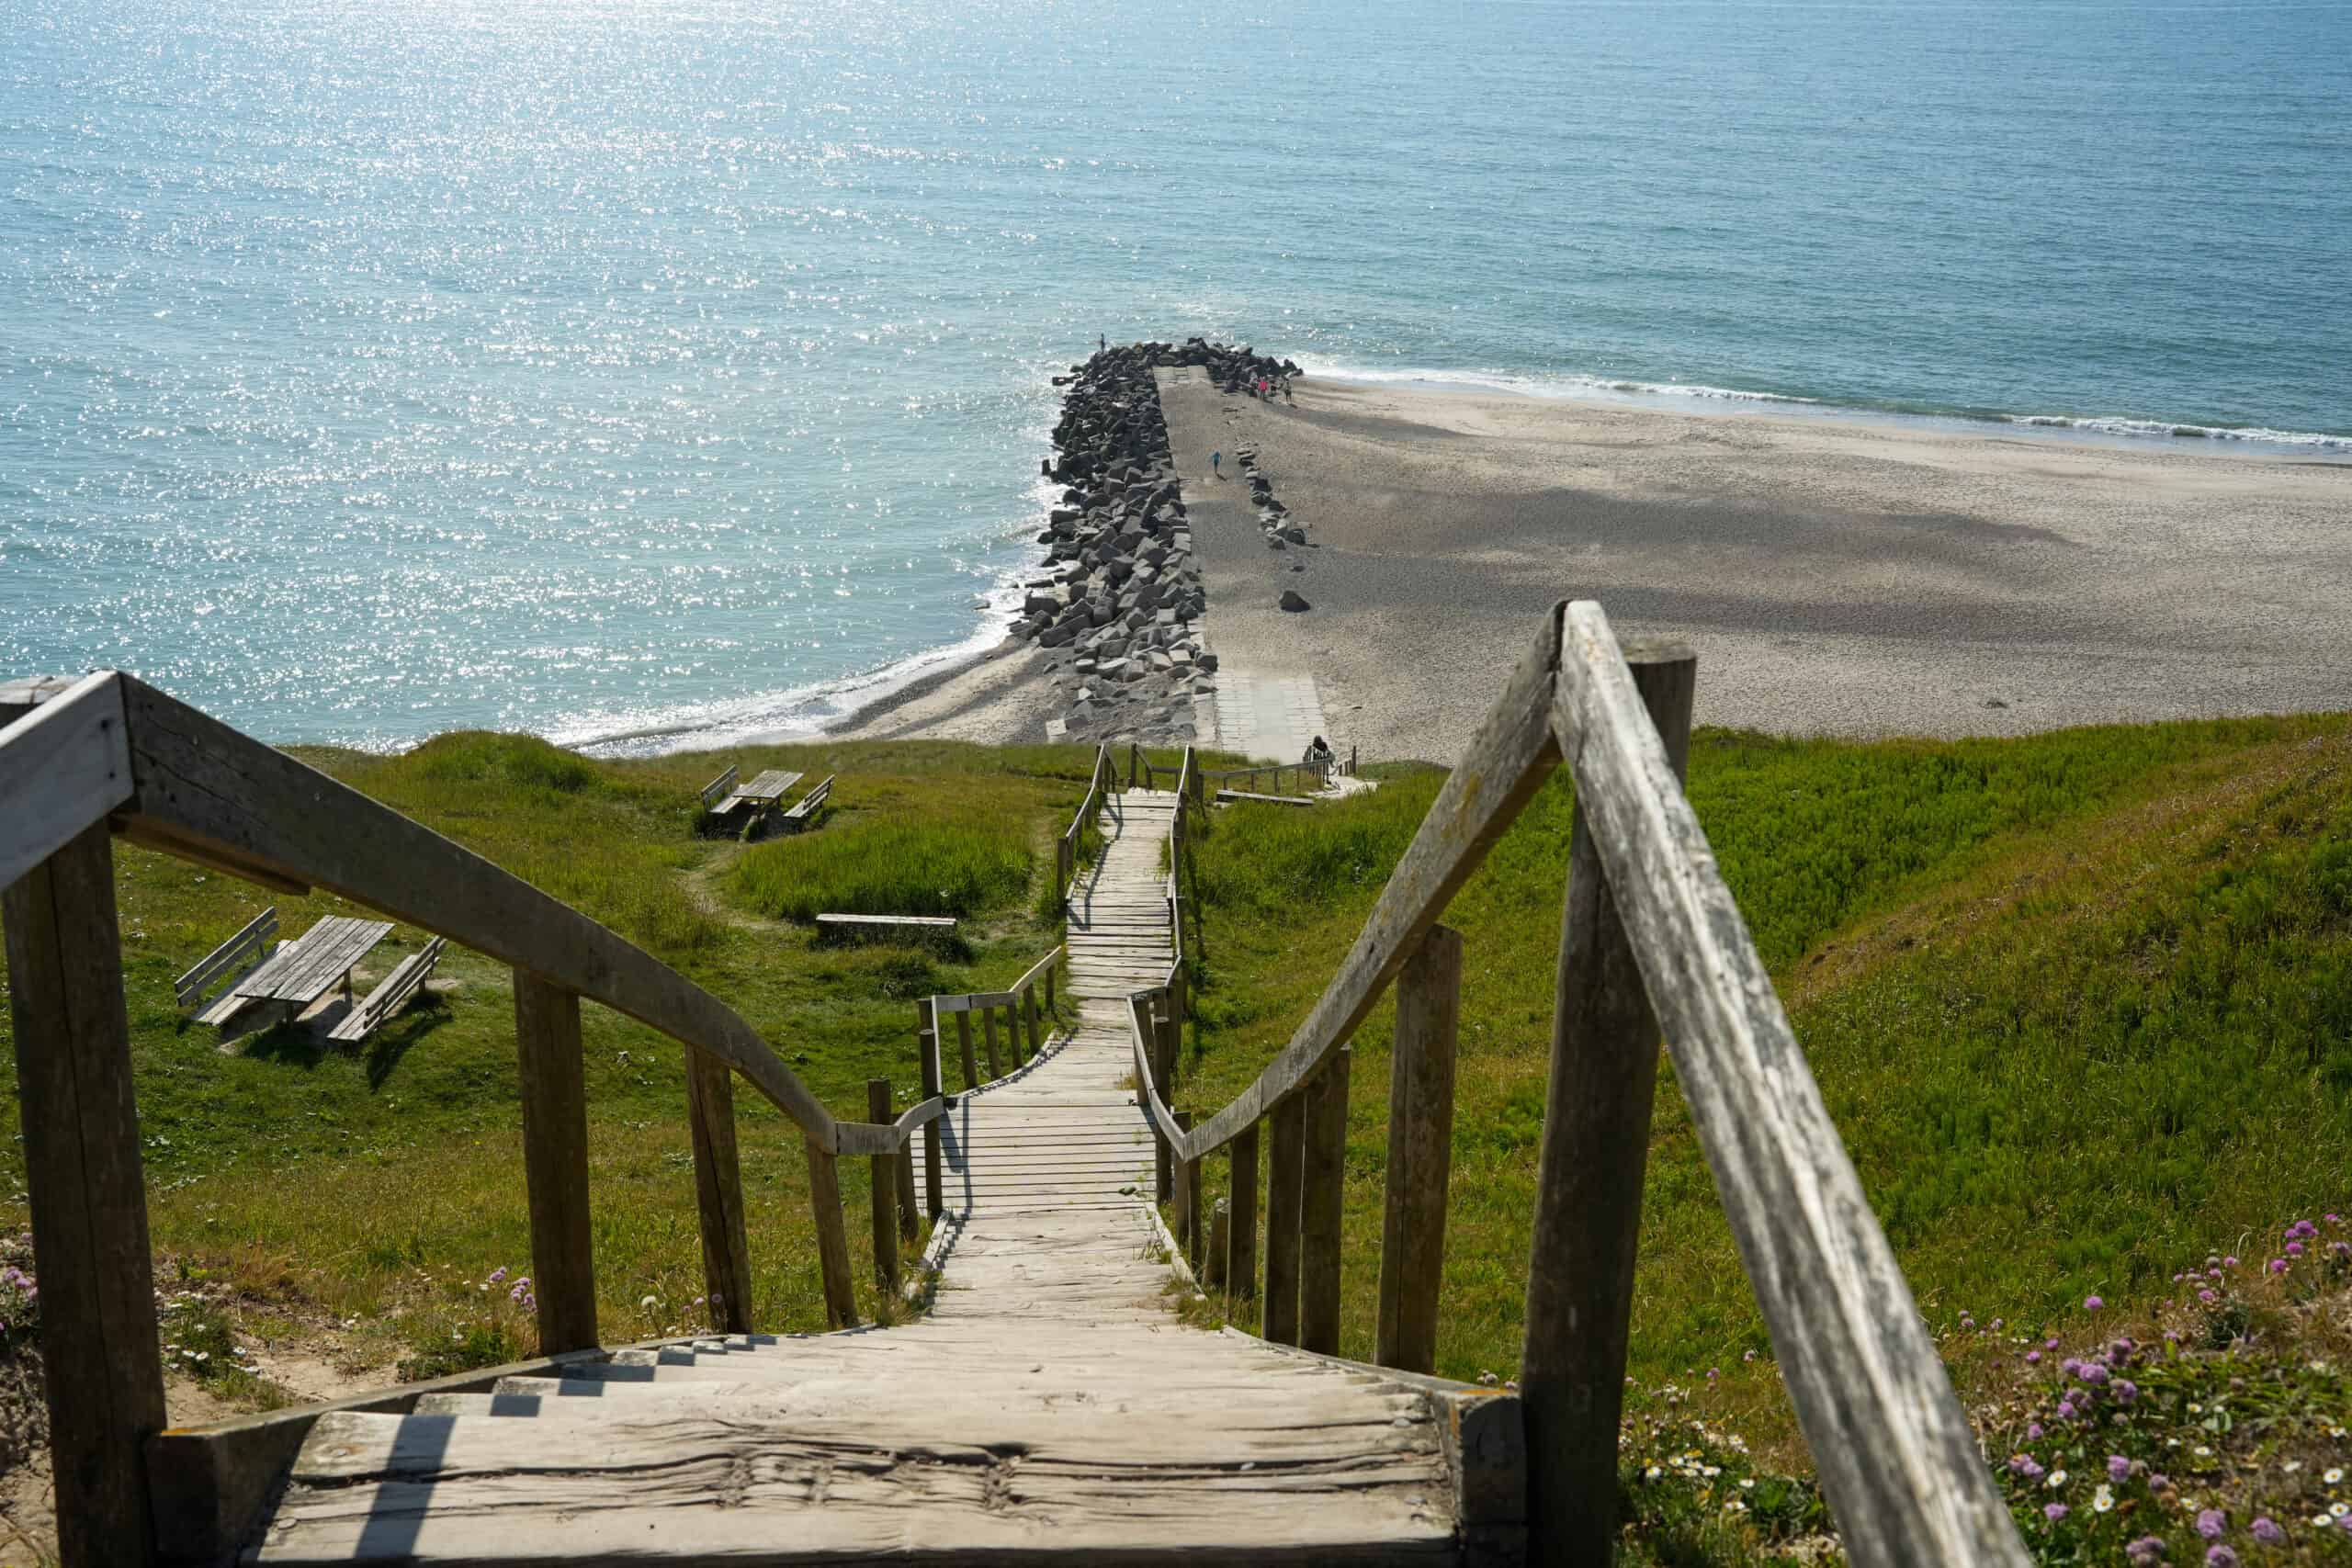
x=1049 y=1407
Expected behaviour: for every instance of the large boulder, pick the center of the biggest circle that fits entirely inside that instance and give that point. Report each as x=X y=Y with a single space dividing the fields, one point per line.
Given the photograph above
x=1292 y=600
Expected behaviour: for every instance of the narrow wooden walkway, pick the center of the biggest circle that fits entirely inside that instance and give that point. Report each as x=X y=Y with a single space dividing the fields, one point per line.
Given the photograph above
x=1048 y=1406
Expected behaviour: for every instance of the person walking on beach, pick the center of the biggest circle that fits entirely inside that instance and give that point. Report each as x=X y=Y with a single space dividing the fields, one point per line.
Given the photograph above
x=1216 y=464
x=1102 y=343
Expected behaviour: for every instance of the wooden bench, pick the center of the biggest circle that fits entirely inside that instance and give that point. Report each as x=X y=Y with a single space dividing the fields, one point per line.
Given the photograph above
x=764 y=791
x=849 y=926
x=1227 y=796
x=236 y=958
x=719 y=786
x=390 y=994
x=808 y=809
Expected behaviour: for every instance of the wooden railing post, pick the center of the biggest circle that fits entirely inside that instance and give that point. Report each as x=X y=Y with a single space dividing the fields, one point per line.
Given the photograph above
x=555 y=1162
x=1420 y=1151
x=1163 y=1187
x=964 y=1049
x=927 y=1064
x=1284 y=1196
x=909 y=1214
x=1189 y=1205
x=1324 y=1186
x=1241 y=1225
x=86 y=1181
x=832 y=1234
x=718 y=1192
x=1168 y=1040
x=884 y=1171
x=1588 y=1186
x=1213 y=1267
x=1156 y=1038
x=1029 y=1011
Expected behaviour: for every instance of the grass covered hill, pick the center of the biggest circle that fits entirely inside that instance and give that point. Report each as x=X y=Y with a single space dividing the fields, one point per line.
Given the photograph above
x=2081 y=1006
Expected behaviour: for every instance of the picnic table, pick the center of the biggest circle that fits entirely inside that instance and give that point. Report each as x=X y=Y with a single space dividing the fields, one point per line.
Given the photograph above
x=301 y=972
x=764 y=792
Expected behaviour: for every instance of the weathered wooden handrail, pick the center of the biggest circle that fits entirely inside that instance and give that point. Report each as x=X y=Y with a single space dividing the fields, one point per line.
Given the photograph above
x=1019 y=1005
x=1897 y=1459
x=109 y=754
x=1106 y=774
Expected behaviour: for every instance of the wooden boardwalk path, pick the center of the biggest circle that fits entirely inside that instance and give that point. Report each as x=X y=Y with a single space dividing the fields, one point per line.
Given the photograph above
x=1049 y=1406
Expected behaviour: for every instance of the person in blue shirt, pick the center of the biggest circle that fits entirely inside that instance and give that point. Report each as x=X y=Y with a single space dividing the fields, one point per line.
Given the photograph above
x=1216 y=462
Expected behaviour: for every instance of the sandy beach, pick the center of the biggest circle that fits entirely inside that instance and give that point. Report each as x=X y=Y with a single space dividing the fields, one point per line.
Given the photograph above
x=1836 y=577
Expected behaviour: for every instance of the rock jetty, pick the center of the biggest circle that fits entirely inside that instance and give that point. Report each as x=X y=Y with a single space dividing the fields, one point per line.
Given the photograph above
x=1118 y=606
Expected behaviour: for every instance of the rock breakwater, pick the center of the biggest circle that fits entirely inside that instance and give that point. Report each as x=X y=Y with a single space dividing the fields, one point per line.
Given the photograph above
x=1119 y=605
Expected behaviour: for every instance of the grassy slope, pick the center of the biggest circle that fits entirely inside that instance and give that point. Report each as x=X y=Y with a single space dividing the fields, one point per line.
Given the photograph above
x=384 y=1185
x=2080 y=1005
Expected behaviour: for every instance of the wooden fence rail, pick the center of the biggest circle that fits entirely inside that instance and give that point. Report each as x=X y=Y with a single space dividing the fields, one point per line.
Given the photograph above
x=82 y=762
x=1097 y=789
x=1652 y=943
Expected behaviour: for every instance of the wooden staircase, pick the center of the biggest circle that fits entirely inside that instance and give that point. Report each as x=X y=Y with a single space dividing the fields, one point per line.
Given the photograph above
x=1052 y=1404
x=1049 y=1406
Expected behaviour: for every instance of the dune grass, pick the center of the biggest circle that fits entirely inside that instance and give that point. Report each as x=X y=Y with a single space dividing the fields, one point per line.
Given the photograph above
x=2077 y=1004
x=958 y=861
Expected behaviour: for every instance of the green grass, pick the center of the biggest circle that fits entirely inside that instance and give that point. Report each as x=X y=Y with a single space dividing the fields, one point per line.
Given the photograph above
x=2078 y=1003
x=888 y=866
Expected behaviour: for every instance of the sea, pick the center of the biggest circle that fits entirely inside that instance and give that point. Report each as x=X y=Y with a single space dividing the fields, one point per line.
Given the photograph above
x=660 y=373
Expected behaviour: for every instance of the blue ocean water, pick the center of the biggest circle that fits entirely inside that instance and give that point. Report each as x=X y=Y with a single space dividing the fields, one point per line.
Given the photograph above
x=611 y=365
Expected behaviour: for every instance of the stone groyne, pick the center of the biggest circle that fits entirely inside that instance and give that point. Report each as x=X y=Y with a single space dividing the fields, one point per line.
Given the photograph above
x=1119 y=608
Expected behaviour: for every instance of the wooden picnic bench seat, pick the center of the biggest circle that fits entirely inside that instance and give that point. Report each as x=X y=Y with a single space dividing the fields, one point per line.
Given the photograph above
x=805 y=809
x=845 y=925
x=236 y=958
x=391 y=993
x=719 y=786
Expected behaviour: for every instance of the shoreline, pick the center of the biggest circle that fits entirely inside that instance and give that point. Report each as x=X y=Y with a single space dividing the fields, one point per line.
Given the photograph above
x=2119 y=432
x=2055 y=490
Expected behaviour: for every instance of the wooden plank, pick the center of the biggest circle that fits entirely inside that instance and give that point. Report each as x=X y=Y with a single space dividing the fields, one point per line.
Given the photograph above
x=1347 y=1486
x=1505 y=762
x=1323 y=1189
x=1897 y=1459
x=832 y=1237
x=555 y=1162
x=63 y=766
x=1241 y=1236
x=1420 y=1154
x=256 y=811
x=884 y=1192
x=912 y=922
x=718 y=1192
x=1589 y=1190
x=1285 y=1199
x=85 y=1180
